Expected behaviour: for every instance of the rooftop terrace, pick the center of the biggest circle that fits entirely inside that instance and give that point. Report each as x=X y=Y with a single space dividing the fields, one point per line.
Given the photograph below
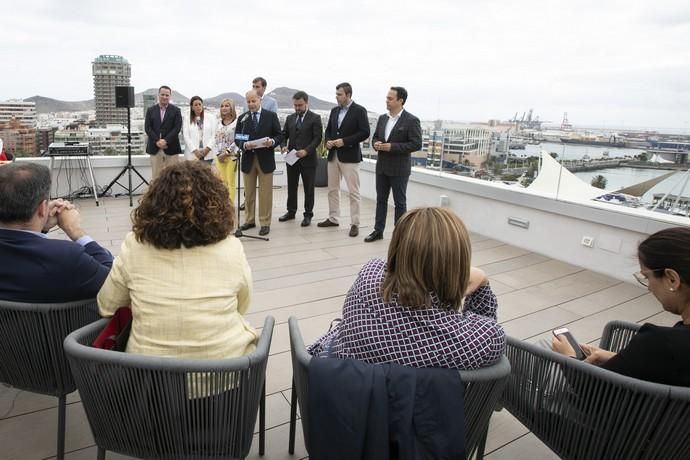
x=306 y=272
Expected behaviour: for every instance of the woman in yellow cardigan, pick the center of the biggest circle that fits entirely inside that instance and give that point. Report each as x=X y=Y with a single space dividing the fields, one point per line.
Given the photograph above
x=182 y=271
x=226 y=161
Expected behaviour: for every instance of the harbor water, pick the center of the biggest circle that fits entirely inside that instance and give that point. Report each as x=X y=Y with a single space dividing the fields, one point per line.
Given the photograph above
x=616 y=178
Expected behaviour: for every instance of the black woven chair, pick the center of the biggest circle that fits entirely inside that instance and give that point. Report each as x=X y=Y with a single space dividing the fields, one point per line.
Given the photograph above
x=581 y=411
x=482 y=392
x=31 y=353
x=170 y=408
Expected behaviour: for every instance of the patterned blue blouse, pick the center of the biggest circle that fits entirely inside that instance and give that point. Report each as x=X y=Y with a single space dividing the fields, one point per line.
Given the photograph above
x=378 y=332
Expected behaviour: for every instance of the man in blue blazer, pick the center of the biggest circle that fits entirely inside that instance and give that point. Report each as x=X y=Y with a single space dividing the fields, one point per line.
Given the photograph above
x=398 y=134
x=162 y=124
x=348 y=125
x=34 y=268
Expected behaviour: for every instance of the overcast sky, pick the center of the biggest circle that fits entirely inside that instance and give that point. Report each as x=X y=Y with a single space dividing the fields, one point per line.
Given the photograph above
x=610 y=63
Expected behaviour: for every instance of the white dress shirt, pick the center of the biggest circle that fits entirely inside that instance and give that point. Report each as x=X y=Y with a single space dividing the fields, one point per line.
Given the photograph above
x=390 y=124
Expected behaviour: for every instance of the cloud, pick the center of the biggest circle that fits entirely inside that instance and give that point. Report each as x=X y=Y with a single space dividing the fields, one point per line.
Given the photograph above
x=460 y=60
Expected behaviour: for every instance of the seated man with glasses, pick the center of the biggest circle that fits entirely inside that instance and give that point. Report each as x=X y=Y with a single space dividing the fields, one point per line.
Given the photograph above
x=656 y=353
x=33 y=267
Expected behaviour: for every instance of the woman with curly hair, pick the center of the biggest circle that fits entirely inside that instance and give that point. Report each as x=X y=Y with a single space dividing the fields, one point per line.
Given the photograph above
x=181 y=270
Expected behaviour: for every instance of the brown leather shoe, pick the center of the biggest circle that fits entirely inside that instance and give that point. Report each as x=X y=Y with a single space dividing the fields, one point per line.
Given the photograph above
x=354 y=230
x=327 y=223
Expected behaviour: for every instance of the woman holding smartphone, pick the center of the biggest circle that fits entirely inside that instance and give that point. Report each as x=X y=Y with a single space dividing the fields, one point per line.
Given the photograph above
x=226 y=161
x=656 y=353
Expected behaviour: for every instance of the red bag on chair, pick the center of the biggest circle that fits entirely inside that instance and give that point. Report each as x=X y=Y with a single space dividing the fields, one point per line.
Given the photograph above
x=115 y=334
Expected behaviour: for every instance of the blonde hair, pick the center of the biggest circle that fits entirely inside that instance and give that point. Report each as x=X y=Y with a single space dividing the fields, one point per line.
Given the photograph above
x=430 y=252
x=233 y=110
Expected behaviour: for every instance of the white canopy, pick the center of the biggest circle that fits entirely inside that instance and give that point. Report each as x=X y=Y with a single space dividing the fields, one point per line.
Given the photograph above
x=656 y=158
x=556 y=181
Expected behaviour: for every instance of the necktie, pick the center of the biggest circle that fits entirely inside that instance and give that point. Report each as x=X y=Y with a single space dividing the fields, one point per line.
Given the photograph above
x=299 y=121
x=255 y=121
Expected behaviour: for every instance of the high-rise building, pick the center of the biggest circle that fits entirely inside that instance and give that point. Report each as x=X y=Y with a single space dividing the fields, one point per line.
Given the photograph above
x=108 y=72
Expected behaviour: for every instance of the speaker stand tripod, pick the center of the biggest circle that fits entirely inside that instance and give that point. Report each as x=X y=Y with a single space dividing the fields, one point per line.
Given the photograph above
x=128 y=168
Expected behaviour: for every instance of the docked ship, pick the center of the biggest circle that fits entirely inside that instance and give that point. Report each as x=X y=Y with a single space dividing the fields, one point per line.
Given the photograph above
x=599 y=141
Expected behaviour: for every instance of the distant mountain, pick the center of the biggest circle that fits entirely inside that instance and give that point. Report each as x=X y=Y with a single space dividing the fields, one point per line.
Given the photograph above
x=216 y=100
x=46 y=105
x=283 y=96
x=177 y=98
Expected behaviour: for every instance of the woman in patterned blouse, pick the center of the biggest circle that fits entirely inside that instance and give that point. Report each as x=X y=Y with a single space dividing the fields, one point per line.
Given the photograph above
x=226 y=161
x=406 y=310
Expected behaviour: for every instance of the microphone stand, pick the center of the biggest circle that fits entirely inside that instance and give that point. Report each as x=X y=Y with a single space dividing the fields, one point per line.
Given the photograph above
x=238 y=167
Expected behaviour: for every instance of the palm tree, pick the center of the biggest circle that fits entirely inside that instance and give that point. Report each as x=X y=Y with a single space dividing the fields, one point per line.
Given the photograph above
x=599 y=181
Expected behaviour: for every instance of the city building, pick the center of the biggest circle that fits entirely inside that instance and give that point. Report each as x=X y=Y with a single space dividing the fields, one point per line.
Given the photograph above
x=468 y=146
x=18 y=139
x=109 y=71
x=112 y=140
x=18 y=127
x=149 y=100
x=45 y=137
x=23 y=112
x=80 y=134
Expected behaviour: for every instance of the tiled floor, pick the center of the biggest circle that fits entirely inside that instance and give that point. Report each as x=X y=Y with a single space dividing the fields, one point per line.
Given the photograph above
x=306 y=272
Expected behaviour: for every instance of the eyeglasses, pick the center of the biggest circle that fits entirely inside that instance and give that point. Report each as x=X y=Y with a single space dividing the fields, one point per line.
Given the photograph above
x=641 y=276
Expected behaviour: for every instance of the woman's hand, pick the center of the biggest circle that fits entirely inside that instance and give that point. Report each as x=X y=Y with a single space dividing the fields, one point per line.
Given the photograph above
x=596 y=355
x=223 y=157
x=477 y=279
x=560 y=344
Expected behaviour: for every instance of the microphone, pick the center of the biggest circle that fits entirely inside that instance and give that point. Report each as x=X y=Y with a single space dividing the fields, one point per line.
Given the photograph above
x=243 y=117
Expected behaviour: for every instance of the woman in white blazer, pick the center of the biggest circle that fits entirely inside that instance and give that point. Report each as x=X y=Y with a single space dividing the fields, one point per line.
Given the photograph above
x=199 y=132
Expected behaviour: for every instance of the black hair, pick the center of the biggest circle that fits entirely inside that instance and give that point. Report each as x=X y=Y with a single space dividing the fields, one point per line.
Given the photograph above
x=23 y=186
x=401 y=92
x=668 y=248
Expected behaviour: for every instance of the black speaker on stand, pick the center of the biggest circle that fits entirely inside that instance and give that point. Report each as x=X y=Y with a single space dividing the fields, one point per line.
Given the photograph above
x=124 y=97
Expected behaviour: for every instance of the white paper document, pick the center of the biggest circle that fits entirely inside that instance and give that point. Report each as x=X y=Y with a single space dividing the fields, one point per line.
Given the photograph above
x=291 y=157
x=257 y=143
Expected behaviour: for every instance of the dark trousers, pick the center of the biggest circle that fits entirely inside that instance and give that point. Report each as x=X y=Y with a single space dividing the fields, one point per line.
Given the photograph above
x=308 y=174
x=384 y=185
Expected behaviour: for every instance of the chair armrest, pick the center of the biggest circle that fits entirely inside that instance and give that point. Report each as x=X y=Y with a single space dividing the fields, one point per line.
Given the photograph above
x=617 y=335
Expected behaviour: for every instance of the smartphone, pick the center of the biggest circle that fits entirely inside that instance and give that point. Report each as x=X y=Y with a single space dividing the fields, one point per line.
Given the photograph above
x=579 y=354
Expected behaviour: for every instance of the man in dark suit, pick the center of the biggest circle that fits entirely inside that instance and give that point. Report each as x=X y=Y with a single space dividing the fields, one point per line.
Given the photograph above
x=302 y=133
x=397 y=135
x=348 y=125
x=162 y=124
x=35 y=269
x=258 y=161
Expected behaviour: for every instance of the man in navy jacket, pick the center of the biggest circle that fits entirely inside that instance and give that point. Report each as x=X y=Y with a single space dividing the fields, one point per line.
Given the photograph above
x=34 y=268
x=162 y=124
